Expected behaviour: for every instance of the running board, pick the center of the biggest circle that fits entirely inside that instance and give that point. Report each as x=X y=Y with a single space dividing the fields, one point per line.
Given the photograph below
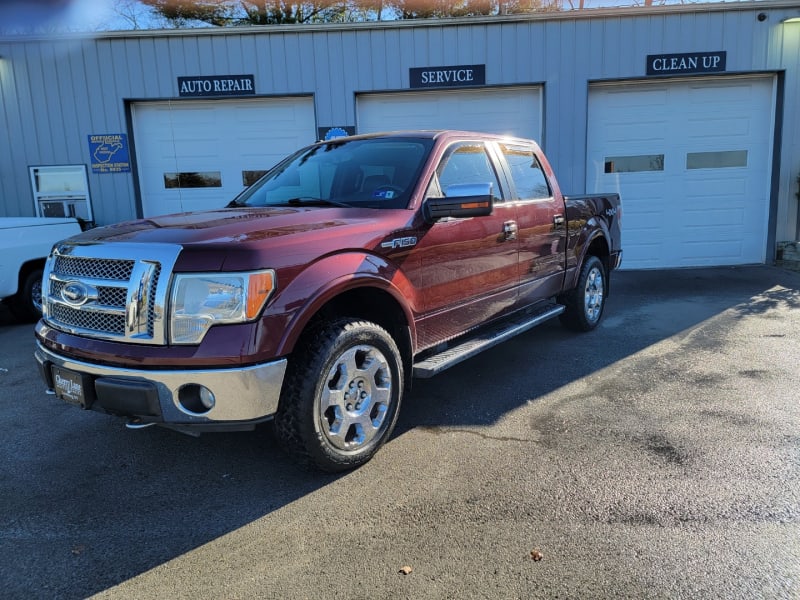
x=483 y=340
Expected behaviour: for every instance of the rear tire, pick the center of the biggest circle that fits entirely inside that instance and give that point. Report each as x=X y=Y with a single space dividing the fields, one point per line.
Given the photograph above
x=584 y=305
x=26 y=305
x=341 y=396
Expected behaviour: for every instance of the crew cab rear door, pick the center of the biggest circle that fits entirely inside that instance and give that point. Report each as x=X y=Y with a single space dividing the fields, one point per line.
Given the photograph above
x=541 y=222
x=469 y=271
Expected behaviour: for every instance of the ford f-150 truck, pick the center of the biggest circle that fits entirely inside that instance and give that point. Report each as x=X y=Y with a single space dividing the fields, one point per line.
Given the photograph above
x=317 y=294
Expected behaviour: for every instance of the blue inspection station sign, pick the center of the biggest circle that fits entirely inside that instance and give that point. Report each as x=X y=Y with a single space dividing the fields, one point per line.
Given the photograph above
x=109 y=153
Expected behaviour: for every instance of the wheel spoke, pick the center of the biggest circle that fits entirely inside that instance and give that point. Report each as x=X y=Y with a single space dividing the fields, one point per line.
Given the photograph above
x=331 y=397
x=348 y=364
x=372 y=366
x=341 y=431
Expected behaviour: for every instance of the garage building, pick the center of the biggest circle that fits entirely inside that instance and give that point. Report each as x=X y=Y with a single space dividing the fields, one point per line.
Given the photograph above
x=689 y=112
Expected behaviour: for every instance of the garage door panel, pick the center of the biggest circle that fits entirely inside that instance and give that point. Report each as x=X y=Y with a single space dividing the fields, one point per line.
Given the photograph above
x=716 y=188
x=634 y=139
x=704 y=219
x=715 y=138
x=740 y=94
x=642 y=222
x=712 y=213
x=514 y=111
x=646 y=256
x=225 y=137
x=643 y=99
x=647 y=135
x=715 y=130
x=191 y=148
x=705 y=252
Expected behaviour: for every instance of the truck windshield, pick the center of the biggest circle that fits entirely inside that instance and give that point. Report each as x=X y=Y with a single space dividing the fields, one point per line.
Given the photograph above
x=369 y=173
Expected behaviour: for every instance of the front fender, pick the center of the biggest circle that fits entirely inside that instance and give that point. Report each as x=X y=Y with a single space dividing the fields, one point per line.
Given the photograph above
x=333 y=275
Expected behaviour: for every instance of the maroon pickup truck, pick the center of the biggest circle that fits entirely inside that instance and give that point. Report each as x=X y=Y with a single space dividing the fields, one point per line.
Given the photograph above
x=317 y=294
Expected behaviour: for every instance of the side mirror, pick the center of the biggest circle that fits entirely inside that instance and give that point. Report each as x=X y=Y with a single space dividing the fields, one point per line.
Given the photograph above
x=462 y=200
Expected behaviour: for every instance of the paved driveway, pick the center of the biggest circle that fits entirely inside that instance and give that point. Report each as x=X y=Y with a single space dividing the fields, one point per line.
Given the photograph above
x=657 y=457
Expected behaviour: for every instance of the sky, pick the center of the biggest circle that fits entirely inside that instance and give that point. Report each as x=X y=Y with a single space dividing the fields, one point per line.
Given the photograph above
x=55 y=15
x=21 y=16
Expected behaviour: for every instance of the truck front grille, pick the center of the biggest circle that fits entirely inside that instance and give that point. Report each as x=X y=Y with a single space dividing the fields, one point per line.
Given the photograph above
x=108 y=323
x=93 y=292
x=116 y=270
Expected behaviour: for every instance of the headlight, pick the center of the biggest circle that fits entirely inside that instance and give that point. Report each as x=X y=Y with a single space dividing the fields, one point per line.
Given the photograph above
x=200 y=300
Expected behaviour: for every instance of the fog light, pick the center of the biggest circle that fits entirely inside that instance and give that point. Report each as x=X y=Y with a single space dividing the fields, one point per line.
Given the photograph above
x=196 y=399
x=207 y=398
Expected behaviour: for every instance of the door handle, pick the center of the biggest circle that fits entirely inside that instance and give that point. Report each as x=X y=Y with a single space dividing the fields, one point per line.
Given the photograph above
x=558 y=220
x=510 y=230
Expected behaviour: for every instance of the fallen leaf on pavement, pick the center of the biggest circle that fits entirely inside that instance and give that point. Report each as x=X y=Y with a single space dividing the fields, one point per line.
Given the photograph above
x=406 y=570
x=536 y=555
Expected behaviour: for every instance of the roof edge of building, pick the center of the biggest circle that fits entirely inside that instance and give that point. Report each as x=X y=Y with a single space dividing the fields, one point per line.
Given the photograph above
x=766 y=6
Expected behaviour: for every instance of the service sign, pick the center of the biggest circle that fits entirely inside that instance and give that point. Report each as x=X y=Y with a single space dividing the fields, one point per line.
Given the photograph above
x=455 y=76
x=217 y=85
x=686 y=64
x=109 y=153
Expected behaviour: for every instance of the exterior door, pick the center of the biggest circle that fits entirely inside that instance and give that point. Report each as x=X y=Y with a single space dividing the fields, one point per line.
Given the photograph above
x=541 y=224
x=198 y=154
x=692 y=161
x=468 y=266
x=513 y=111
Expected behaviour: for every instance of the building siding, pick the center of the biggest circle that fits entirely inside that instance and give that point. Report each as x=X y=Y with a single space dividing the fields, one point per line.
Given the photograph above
x=55 y=92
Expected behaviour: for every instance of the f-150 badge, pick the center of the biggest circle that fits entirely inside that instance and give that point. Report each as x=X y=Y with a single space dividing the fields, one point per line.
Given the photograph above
x=405 y=242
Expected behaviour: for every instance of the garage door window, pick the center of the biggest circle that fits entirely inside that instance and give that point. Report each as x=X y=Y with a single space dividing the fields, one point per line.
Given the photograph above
x=716 y=160
x=634 y=164
x=250 y=177
x=189 y=179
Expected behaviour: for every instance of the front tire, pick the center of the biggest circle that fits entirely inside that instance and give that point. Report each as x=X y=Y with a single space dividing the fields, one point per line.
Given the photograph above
x=341 y=396
x=584 y=305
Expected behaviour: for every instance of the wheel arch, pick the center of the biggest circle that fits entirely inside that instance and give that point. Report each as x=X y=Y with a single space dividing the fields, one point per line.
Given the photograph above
x=26 y=268
x=364 y=297
x=596 y=245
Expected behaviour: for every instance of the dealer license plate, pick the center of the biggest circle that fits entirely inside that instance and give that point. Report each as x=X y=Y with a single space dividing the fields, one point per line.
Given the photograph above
x=68 y=386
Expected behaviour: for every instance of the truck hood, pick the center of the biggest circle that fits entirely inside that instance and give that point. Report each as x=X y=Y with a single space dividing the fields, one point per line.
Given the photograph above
x=234 y=225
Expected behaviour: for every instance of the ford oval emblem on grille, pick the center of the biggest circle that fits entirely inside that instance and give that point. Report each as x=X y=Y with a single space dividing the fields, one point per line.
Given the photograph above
x=75 y=293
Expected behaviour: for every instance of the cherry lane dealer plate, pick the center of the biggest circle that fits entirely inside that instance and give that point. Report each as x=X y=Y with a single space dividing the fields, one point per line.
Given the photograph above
x=69 y=386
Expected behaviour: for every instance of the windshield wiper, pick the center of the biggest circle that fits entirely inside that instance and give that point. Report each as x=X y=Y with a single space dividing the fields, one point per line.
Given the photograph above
x=309 y=201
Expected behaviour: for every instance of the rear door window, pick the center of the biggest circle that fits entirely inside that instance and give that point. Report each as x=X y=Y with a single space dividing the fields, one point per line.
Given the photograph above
x=526 y=173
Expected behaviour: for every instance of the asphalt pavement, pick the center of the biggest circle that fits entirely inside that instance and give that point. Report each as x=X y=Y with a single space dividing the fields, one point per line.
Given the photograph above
x=656 y=457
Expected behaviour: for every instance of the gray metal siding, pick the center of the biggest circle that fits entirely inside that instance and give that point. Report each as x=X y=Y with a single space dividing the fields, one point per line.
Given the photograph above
x=56 y=92
x=787 y=47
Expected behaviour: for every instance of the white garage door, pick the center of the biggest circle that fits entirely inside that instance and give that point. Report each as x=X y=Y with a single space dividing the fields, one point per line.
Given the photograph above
x=692 y=161
x=196 y=155
x=511 y=111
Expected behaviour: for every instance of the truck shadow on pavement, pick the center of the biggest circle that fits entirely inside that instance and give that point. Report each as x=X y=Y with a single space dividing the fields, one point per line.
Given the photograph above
x=644 y=308
x=88 y=505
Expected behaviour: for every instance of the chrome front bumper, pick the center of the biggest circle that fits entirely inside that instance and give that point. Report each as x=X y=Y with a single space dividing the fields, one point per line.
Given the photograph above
x=241 y=394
